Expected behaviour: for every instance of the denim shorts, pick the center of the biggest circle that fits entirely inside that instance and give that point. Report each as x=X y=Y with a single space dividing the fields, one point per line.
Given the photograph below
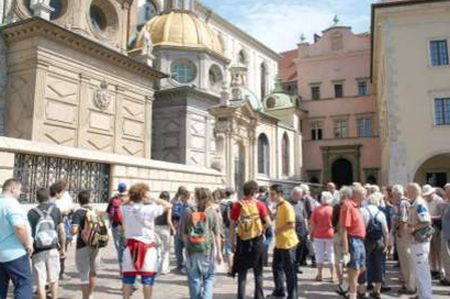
x=147 y=280
x=357 y=253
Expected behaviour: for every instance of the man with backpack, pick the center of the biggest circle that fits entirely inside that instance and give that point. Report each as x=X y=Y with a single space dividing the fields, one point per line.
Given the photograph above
x=376 y=241
x=92 y=235
x=250 y=217
x=47 y=228
x=202 y=239
x=114 y=211
x=225 y=209
x=286 y=240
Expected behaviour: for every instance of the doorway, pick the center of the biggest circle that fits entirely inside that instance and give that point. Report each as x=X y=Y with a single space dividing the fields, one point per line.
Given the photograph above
x=342 y=172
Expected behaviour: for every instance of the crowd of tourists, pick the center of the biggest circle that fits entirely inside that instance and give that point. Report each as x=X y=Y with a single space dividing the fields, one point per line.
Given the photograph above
x=350 y=231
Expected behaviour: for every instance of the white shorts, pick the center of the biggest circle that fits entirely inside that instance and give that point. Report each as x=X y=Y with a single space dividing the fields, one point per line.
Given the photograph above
x=46 y=267
x=86 y=262
x=324 y=250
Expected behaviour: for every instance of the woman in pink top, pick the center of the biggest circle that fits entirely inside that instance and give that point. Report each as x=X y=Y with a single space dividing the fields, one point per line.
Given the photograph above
x=322 y=233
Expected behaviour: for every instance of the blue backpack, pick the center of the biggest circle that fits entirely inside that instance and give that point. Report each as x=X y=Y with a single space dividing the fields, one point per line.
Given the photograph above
x=374 y=230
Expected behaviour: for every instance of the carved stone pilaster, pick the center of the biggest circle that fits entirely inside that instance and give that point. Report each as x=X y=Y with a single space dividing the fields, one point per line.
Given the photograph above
x=3 y=84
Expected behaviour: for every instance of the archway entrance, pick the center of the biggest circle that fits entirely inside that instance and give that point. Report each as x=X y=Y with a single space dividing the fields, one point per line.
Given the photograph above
x=342 y=172
x=434 y=171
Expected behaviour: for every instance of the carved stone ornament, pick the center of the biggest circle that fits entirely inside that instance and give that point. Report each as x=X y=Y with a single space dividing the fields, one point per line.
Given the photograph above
x=101 y=97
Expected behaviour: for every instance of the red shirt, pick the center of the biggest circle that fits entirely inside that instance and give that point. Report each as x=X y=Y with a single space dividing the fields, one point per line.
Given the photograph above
x=323 y=226
x=236 y=209
x=352 y=220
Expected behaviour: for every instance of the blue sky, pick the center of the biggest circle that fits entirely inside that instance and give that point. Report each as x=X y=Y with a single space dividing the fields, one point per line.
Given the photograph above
x=279 y=23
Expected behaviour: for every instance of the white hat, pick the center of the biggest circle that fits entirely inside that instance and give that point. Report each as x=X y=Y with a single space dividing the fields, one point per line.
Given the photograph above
x=428 y=190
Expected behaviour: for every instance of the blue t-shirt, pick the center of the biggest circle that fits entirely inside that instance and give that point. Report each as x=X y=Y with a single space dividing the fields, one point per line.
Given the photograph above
x=12 y=214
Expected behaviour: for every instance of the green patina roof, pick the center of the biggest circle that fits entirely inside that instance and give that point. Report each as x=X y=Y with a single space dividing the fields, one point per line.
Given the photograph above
x=278 y=99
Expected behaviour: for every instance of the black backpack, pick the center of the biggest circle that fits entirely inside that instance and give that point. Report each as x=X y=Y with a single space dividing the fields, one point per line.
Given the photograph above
x=374 y=230
x=225 y=208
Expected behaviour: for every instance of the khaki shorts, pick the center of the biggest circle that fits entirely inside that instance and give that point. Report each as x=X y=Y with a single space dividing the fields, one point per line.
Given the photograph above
x=86 y=262
x=46 y=267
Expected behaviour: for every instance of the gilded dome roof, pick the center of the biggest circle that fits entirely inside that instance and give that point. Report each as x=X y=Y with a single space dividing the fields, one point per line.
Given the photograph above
x=181 y=29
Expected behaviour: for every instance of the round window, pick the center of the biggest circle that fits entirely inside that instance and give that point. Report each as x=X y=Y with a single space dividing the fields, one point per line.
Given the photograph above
x=270 y=103
x=183 y=71
x=98 y=18
x=103 y=18
x=59 y=8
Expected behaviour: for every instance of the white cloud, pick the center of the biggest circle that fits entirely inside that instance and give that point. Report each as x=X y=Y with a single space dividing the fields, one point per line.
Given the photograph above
x=279 y=23
x=280 y=26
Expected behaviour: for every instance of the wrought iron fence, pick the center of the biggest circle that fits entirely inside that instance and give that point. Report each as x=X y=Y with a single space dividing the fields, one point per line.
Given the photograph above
x=36 y=171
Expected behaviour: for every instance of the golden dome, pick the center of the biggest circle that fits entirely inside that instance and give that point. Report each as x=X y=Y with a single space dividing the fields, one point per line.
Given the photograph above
x=181 y=29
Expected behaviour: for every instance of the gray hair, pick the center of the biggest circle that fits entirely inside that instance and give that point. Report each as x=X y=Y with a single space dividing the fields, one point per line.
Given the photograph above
x=345 y=192
x=375 y=199
x=374 y=188
x=359 y=190
x=416 y=187
x=305 y=188
x=326 y=198
x=447 y=187
x=398 y=189
x=296 y=189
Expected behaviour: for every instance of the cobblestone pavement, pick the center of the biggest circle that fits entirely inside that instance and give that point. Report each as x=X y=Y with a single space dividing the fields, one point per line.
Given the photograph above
x=175 y=286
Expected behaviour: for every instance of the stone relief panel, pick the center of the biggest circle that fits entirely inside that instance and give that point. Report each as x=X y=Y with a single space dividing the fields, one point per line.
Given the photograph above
x=59 y=135
x=60 y=112
x=19 y=107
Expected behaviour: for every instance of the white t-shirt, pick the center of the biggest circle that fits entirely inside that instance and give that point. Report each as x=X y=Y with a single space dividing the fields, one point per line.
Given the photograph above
x=139 y=221
x=373 y=210
x=65 y=203
x=435 y=206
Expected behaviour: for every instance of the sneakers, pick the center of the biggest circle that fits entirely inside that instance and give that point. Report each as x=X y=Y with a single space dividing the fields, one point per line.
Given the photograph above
x=64 y=277
x=275 y=295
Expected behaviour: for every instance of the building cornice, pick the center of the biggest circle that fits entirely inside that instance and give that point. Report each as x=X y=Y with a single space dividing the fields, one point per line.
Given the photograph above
x=37 y=27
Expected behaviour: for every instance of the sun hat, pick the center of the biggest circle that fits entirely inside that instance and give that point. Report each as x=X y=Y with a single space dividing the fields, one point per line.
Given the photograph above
x=428 y=190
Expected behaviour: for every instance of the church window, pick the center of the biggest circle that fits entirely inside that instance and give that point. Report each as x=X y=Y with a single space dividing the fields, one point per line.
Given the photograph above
x=363 y=88
x=263 y=155
x=263 y=79
x=315 y=92
x=271 y=103
x=439 y=52
x=340 y=128
x=183 y=71
x=285 y=155
x=338 y=90
x=243 y=57
x=442 y=111
x=215 y=77
x=316 y=130
x=150 y=10
x=365 y=127
x=98 y=18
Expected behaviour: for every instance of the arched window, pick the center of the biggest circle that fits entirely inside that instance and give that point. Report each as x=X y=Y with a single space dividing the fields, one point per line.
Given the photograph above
x=263 y=154
x=285 y=155
x=243 y=57
x=263 y=79
x=150 y=10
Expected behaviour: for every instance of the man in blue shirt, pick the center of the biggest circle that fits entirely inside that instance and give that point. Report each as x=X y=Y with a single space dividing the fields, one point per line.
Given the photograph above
x=16 y=244
x=180 y=204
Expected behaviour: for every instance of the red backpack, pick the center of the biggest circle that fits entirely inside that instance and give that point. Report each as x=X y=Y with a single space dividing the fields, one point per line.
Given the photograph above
x=115 y=211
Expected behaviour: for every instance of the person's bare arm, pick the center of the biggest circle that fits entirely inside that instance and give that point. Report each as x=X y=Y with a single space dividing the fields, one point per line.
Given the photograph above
x=75 y=229
x=311 y=230
x=344 y=239
x=23 y=235
x=169 y=220
x=62 y=240
x=267 y=221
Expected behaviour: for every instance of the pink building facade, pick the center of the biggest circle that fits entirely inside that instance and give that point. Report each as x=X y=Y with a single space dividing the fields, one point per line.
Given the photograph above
x=340 y=133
